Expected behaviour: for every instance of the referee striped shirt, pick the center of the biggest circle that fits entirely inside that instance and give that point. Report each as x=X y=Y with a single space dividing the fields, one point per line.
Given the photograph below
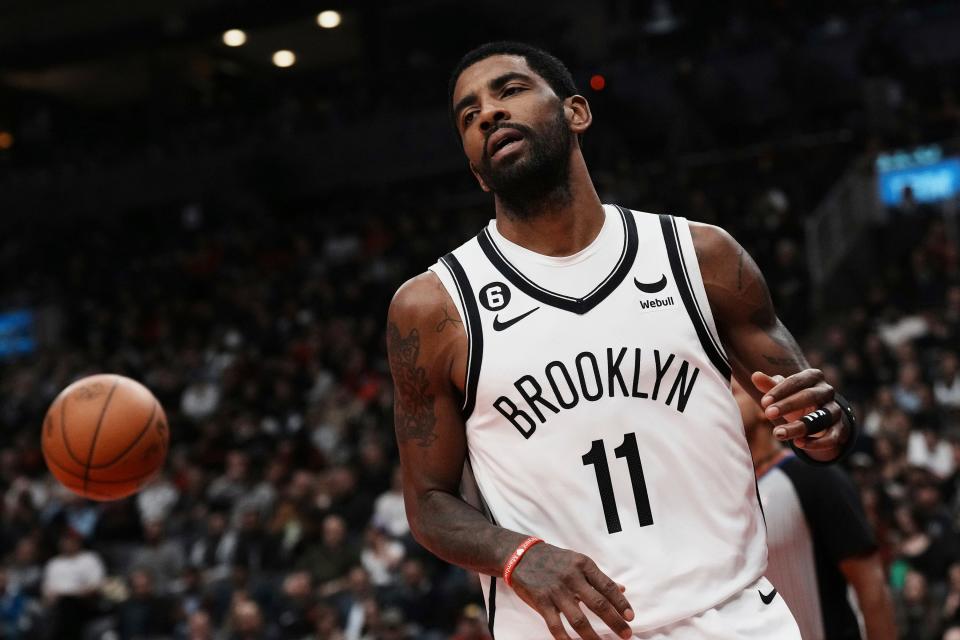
x=814 y=521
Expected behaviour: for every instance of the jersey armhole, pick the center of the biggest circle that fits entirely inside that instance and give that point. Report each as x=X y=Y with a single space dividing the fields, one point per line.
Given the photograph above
x=689 y=256
x=454 y=280
x=686 y=272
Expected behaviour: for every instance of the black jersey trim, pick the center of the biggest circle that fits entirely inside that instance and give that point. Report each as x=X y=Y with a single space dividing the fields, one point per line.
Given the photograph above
x=580 y=305
x=480 y=503
x=696 y=301
x=670 y=238
x=474 y=332
x=756 y=485
x=492 y=606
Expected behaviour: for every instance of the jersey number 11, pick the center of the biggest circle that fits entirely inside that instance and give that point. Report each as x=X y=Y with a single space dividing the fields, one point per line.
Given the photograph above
x=597 y=456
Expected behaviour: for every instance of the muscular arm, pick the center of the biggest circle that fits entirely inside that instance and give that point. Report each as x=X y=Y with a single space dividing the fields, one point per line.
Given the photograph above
x=427 y=348
x=760 y=347
x=868 y=579
x=426 y=344
x=752 y=334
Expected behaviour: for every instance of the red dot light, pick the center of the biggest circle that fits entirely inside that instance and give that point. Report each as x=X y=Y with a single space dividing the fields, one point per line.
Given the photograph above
x=598 y=82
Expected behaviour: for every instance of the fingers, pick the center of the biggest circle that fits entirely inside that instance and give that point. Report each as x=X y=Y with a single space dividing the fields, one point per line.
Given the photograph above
x=571 y=610
x=799 y=403
x=831 y=439
x=797 y=431
x=610 y=590
x=763 y=382
x=601 y=605
x=554 y=624
x=787 y=387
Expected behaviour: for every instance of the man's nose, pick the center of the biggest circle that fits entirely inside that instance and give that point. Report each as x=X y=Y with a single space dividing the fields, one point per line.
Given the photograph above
x=492 y=116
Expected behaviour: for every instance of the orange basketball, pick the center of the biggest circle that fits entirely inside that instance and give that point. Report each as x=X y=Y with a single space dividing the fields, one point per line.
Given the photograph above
x=105 y=436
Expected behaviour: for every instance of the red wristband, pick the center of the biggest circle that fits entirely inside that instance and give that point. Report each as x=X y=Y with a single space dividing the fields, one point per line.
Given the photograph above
x=514 y=559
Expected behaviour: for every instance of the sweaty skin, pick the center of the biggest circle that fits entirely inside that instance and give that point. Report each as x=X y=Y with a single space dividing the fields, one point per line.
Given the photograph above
x=427 y=349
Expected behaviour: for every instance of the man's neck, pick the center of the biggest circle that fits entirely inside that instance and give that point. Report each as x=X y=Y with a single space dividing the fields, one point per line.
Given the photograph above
x=557 y=226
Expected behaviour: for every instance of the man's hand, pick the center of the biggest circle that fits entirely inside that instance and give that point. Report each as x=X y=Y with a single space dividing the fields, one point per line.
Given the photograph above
x=787 y=399
x=555 y=581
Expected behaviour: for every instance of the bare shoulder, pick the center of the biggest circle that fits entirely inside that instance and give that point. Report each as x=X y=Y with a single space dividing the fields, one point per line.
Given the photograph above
x=716 y=249
x=424 y=323
x=733 y=281
x=420 y=296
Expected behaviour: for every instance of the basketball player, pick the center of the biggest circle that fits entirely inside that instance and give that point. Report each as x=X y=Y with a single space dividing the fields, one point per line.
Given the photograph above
x=818 y=539
x=575 y=358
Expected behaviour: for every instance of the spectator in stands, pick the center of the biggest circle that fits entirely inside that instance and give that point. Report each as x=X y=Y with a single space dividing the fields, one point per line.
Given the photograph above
x=946 y=387
x=144 y=614
x=472 y=625
x=199 y=627
x=234 y=483
x=414 y=594
x=246 y=622
x=24 y=571
x=213 y=550
x=917 y=615
x=333 y=555
x=355 y=601
x=291 y=610
x=389 y=511
x=156 y=501
x=951 y=603
x=71 y=585
x=381 y=557
x=162 y=557
x=17 y=611
x=327 y=622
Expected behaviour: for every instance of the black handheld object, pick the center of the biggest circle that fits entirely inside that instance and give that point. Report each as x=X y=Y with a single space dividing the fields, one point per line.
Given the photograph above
x=817 y=421
x=847 y=446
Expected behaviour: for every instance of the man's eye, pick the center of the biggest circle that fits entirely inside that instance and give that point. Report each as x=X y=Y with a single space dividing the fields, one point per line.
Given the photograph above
x=511 y=90
x=467 y=119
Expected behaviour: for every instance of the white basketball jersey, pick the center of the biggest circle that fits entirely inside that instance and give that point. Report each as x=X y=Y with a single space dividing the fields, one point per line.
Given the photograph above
x=599 y=417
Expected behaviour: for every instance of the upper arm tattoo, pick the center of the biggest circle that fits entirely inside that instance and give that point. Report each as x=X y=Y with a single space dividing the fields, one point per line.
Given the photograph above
x=414 y=412
x=447 y=320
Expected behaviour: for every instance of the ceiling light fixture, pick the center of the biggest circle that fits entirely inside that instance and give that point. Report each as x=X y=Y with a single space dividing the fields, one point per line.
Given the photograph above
x=329 y=19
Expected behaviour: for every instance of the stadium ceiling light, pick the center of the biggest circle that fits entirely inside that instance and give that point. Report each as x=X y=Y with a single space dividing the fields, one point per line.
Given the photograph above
x=284 y=58
x=234 y=38
x=329 y=19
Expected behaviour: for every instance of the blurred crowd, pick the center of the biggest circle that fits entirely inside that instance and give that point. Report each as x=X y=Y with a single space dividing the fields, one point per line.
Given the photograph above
x=279 y=513
x=260 y=329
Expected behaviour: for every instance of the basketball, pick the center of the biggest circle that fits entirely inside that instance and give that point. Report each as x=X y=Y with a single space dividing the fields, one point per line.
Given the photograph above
x=105 y=436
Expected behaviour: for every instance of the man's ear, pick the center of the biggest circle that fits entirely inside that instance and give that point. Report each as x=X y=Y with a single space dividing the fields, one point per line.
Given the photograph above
x=577 y=110
x=476 y=174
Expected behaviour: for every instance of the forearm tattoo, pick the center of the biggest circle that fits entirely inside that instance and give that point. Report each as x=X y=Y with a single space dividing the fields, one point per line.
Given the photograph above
x=414 y=412
x=785 y=362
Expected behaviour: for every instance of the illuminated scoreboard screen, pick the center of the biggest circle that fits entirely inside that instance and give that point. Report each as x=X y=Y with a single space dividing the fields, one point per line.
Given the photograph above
x=17 y=333
x=932 y=176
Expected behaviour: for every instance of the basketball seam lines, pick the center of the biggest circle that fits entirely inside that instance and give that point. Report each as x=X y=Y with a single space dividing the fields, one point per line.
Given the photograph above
x=67 y=471
x=96 y=432
x=104 y=465
x=63 y=431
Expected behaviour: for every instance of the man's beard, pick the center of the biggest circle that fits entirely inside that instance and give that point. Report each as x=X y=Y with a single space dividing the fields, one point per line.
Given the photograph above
x=523 y=185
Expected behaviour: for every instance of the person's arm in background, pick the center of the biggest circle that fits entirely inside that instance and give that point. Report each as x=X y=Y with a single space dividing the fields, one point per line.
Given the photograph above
x=760 y=348
x=426 y=346
x=867 y=577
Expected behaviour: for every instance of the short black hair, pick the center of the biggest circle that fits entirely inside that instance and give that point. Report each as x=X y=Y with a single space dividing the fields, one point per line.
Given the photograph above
x=544 y=64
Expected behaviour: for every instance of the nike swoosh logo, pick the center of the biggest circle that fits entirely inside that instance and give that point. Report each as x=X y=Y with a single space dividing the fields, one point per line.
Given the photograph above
x=652 y=287
x=500 y=326
x=767 y=599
